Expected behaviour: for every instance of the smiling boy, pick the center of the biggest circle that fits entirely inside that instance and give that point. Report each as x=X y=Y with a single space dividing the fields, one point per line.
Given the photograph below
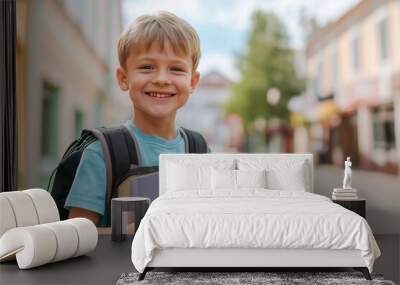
x=158 y=56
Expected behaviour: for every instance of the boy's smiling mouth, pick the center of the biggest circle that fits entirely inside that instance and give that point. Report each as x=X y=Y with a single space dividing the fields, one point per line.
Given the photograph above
x=161 y=95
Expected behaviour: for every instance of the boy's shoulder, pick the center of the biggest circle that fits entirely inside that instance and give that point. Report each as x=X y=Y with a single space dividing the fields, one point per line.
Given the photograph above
x=95 y=147
x=193 y=140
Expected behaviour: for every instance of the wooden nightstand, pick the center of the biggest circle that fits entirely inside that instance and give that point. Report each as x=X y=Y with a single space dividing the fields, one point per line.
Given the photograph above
x=358 y=206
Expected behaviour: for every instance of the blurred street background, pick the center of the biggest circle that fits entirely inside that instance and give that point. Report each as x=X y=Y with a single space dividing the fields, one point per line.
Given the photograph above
x=277 y=76
x=296 y=76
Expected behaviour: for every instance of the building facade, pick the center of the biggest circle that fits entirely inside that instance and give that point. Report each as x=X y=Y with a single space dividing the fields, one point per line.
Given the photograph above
x=204 y=112
x=67 y=68
x=353 y=68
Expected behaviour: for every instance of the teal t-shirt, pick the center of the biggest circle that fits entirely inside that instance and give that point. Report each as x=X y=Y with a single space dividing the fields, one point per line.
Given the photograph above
x=89 y=186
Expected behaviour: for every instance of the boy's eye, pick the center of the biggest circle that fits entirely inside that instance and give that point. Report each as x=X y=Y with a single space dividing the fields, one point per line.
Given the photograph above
x=146 y=67
x=177 y=69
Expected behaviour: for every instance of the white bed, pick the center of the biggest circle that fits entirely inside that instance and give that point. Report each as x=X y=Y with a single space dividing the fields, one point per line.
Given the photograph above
x=202 y=220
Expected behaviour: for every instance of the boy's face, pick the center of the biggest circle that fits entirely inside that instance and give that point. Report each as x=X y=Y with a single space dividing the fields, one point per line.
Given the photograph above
x=159 y=81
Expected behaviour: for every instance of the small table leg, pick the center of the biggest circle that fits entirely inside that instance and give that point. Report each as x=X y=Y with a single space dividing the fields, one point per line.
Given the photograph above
x=116 y=222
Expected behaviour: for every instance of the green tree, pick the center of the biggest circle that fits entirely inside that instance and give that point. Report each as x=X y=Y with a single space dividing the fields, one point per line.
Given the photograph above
x=267 y=62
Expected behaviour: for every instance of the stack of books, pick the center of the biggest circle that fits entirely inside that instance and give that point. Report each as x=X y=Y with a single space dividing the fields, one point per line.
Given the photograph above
x=344 y=194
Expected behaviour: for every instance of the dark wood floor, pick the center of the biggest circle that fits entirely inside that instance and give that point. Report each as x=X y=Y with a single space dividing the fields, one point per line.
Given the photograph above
x=96 y=268
x=389 y=262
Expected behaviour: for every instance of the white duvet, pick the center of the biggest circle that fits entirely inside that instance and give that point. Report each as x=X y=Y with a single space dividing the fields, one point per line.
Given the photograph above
x=252 y=218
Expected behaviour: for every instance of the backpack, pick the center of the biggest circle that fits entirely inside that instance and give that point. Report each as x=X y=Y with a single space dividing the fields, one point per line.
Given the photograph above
x=122 y=156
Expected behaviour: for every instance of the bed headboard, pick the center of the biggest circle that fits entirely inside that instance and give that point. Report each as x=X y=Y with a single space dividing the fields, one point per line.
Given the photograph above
x=214 y=158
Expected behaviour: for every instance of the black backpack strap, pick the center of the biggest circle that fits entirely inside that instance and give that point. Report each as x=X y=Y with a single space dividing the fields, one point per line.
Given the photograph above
x=195 y=142
x=118 y=144
x=133 y=146
x=107 y=157
x=63 y=175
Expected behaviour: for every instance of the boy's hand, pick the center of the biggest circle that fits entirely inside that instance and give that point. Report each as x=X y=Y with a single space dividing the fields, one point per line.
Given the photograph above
x=82 y=213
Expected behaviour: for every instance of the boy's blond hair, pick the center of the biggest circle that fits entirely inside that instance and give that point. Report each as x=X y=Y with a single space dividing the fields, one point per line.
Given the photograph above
x=161 y=28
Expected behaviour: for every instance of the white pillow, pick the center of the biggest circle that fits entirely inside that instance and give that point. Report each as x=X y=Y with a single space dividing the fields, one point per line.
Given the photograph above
x=285 y=174
x=251 y=178
x=223 y=179
x=181 y=177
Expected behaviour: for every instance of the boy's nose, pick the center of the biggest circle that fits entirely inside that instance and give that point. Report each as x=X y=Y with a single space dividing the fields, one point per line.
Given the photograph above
x=161 y=78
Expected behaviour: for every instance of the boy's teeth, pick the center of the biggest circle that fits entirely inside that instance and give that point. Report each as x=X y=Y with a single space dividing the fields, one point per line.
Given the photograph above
x=159 y=95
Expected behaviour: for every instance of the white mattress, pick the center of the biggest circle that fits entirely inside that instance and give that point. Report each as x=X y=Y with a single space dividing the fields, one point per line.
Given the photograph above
x=254 y=218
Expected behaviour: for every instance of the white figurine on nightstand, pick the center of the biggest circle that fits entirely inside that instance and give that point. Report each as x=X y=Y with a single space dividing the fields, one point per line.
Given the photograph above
x=347 y=174
x=346 y=192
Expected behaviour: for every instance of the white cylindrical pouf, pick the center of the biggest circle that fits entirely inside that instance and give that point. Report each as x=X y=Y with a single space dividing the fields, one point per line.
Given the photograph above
x=7 y=218
x=67 y=239
x=23 y=208
x=45 y=206
x=40 y=244
x=34 y=246
x=87 y=234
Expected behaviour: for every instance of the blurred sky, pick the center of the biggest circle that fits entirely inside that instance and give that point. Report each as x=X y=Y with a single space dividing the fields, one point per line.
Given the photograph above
x=223 y=25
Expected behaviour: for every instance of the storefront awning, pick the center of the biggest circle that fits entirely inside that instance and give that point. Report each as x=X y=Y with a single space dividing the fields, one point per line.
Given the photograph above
x=327 y=110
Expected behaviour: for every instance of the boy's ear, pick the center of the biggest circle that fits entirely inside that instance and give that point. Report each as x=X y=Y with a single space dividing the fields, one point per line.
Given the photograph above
x=122 y=78
x=195 y=80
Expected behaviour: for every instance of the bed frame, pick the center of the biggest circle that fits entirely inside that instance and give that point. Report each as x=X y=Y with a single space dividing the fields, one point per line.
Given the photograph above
x=246 y=259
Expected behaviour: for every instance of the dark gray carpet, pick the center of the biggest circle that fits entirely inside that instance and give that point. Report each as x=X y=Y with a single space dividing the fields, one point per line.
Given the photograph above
x=269 y=278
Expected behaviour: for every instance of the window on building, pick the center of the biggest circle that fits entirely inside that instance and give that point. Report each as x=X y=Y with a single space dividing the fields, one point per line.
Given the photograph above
x=383 y=128
x=50 y=120
x=314 y=86
x=355 y=53
x=334 y=70
x=383 y=38
x=79 y=119
x=317 y=82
